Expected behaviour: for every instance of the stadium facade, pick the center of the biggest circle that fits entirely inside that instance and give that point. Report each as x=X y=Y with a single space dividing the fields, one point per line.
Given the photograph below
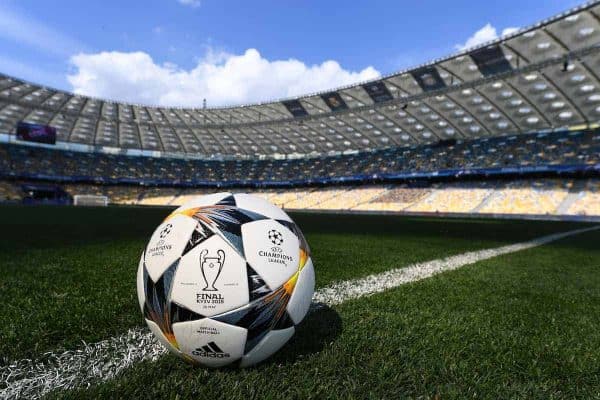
x=524 y=106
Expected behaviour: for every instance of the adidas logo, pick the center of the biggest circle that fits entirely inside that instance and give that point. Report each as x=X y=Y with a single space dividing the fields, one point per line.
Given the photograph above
x=210 y=350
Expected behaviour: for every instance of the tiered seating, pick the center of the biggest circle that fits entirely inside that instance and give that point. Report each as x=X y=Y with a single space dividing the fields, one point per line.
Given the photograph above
x=123 y=194
x=395 y=198
x=158 y=196
x=351 y=198
x=523 y=87
x=314 y=199
x=559 y=148
x=268 y=194
x=9 y=192
x=74 y=189
x=526 y=197
x=588 y=202
x=186 y=195
x=452 y=198
x=287 y=198
x=545 y=196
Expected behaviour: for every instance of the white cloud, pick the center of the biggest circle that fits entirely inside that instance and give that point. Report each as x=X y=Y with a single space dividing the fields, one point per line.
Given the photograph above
x=25 y=30
x=221 y=78
x=190 y=3
x=485 y=34
x=509 y=30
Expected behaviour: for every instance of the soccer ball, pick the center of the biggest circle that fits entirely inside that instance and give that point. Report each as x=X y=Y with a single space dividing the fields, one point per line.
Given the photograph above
x=224 y=279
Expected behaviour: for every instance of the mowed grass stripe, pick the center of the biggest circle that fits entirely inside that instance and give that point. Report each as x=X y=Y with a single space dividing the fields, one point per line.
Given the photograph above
x=519 y=326
x=68 y=273
x=106 y=359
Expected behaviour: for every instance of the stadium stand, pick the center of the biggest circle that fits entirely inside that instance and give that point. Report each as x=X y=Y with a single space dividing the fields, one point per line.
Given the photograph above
x=348 y=199
x=125 y=179
x=545 y=196
x=285 y=197
x=124 y=194
x=579 y=150
x=395 y=198
x=452 y=198
x=9 y=192
x=75 y=189
x=586 y=201
x=523 y=197
x=465 y=133
x=156 y=196
x=539 y=78
x=553 y=197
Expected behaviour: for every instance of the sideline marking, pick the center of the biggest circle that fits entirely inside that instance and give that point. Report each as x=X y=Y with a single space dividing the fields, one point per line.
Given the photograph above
x=105 y=359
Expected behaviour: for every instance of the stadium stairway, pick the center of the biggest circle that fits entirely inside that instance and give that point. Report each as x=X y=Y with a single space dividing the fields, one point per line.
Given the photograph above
x=487 y=200
x=589 y=203
x=576 y=192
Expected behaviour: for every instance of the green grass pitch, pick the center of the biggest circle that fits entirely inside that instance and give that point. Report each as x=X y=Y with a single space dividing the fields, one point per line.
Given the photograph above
x=522 y=325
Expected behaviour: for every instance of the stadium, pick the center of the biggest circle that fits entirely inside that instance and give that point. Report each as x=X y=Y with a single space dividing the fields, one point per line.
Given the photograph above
x=451 y=210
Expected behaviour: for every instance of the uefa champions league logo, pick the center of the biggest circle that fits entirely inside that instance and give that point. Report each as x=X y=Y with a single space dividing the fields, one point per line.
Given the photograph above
x=275 y=237
x=161 y=246
x=211 y=268
x=276 y=254
x=165 y=231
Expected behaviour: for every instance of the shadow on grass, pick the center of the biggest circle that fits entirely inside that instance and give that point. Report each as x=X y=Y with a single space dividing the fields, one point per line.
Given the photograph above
x=318 y=329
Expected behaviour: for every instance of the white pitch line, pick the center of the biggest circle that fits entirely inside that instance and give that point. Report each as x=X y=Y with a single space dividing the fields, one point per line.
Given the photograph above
x=352 y=289
x=103 y=360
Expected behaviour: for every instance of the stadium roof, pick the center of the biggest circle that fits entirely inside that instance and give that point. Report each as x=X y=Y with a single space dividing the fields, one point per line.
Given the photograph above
x=544 y=77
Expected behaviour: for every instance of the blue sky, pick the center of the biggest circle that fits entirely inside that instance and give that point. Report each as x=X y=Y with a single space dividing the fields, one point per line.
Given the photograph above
x=181 y=51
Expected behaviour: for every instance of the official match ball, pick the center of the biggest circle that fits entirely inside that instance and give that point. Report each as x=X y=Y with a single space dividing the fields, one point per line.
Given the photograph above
x=225 y=279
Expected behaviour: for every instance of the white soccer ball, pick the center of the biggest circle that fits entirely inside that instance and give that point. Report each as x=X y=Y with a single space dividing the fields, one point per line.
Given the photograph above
x=225 y=279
